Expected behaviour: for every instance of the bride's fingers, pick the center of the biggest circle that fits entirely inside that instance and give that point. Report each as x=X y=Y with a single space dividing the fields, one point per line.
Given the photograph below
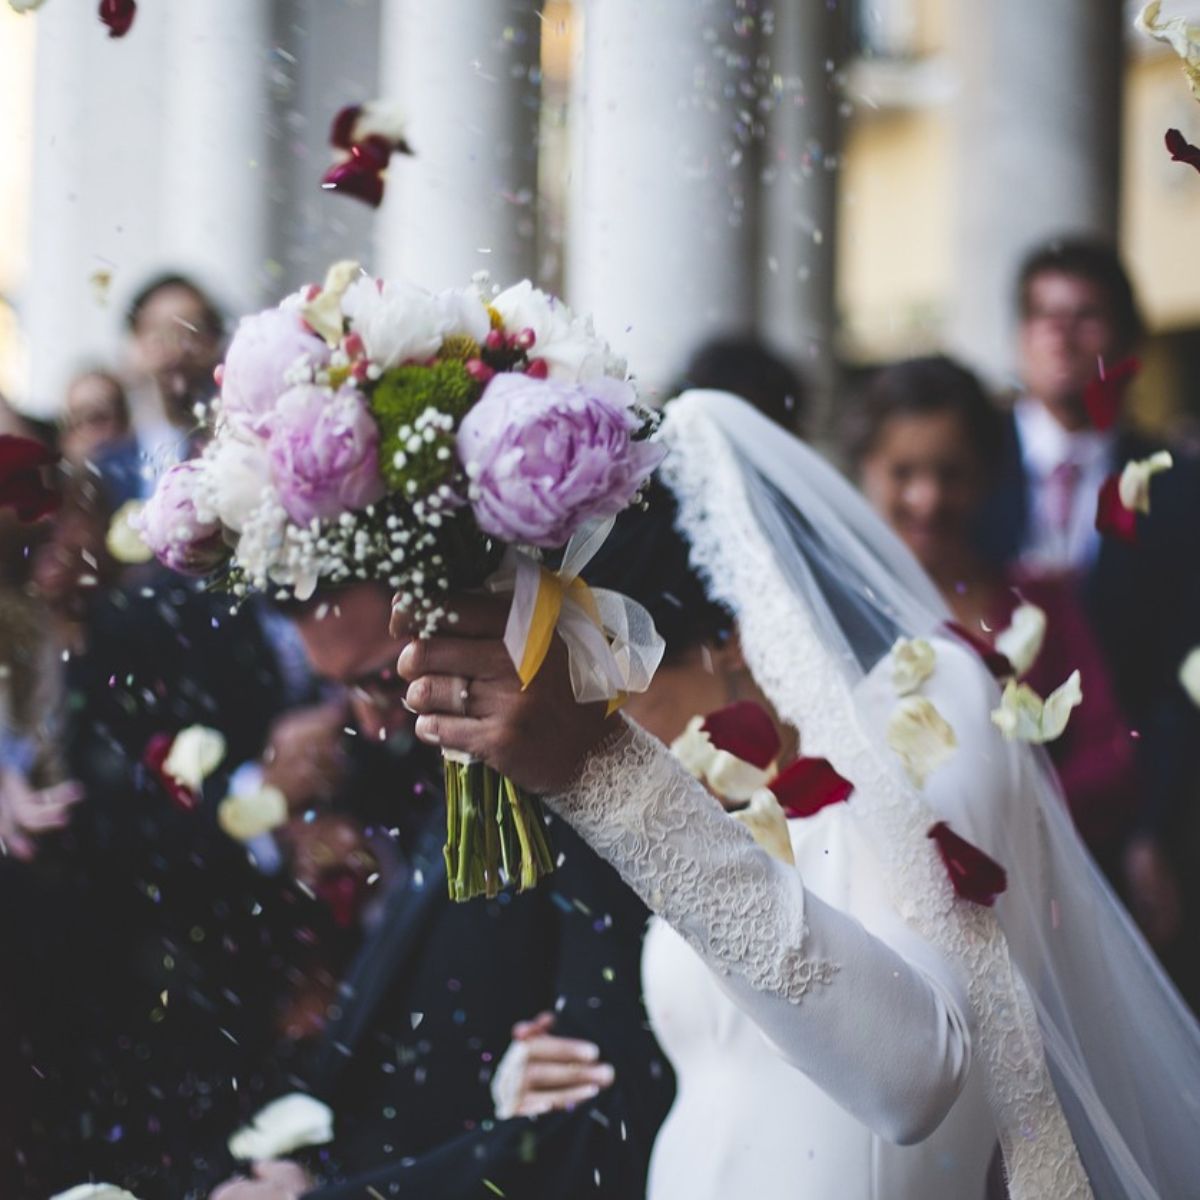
x=467 y=657
x=464 y=734
x=550 y=1048
x=545 y=1077
x=454 y=695
x=537 y=1104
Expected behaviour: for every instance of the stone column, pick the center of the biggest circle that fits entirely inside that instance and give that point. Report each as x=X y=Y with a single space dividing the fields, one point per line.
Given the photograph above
x=798 y=203
x=465 y=74
x=1038 y=137
x=661 y=234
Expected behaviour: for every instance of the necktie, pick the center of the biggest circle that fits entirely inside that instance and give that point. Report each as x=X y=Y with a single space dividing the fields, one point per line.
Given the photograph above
x=1061 y=485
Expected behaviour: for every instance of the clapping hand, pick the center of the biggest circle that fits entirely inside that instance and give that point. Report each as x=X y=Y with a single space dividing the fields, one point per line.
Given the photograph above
x=27 y=812
x=274 y=1180
x=465 y=690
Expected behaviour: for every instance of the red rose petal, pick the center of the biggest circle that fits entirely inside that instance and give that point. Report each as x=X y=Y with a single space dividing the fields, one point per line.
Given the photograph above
x=1104 y=395
x=354 y=179
x=21 y=453
x=341 y=133
x=154 y=757
x=809 y=785
x=22 y=486
x=118 y=16
x=1113 y=519
x=995 y=662
x=1181 y=150
x=342 y=891
x=974 y=875
x=746 y=731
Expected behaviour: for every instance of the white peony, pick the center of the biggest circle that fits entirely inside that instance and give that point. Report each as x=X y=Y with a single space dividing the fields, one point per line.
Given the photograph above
x=247 y=815
x=919 y=734
x=237 y=479
x=1023 y=716
x=195 y=754
x=398 y=322
x=1021 y=642
x=94 y=1191
x=1189 y=675
x=568 y=344
x=464 y=312
x=1134 y=484
x=284 y=1126
x=767 y=823
x=913 y=660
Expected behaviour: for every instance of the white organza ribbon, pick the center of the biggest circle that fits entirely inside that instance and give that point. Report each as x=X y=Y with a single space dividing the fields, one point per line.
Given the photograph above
x=612 y=645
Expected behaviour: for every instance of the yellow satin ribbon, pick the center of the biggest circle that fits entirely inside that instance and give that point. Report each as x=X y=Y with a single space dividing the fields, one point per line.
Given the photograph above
x=551 y=592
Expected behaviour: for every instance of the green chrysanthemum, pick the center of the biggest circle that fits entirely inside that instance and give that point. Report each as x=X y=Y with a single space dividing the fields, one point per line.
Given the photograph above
x=418 y=408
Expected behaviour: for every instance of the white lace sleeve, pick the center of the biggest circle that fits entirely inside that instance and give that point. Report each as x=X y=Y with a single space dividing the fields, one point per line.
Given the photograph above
x=882 y=1036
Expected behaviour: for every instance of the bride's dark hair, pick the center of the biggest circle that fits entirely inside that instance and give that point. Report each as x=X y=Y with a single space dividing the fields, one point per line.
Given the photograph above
x=648 y=559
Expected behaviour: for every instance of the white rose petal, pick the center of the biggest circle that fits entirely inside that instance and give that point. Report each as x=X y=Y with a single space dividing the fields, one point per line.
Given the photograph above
x=1134 y=484
x=1021 y=642
x=919 y=734
x=380 y=118
x=767 y=822
x=94 y=1191
x=24 y=6
x=693 y=748
x=913 y=661
x=195 y=754
x=1023 y=716
x=729 y=777
x=284 y=1126
x=1189 y=675
x=246 y=815
x=124 y=542
x=1182 y=37
x=324 y=312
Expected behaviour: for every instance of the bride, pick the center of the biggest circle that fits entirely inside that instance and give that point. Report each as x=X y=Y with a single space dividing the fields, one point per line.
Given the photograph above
x=848 y=1026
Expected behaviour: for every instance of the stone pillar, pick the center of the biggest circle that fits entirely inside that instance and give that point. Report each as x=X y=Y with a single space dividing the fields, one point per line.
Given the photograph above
x=798 y=202
x=661 y=233
x=1038 y=136
x=465 y=74
x=217 y=147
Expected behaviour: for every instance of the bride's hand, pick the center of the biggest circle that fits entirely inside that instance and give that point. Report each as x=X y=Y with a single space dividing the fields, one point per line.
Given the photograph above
x=468 y=697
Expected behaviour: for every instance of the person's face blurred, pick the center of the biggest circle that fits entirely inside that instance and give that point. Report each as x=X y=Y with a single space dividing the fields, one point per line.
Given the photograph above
x=925 y=479
x=172 y=344
x=1067 y=329
x=350 y=644
x=92 y=417
x=72 y=562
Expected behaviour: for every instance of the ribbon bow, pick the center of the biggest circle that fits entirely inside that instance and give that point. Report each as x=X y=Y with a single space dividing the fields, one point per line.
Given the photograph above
x=612 y=645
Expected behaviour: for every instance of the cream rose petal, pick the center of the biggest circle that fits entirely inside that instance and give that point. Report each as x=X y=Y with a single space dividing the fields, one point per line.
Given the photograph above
x=1021 y=642
x=24 y=6
x=94 y=1191
x=1189 y=675
x=1023 y=716
x=919 y=734
x=246 y=815
x=767 y=823
x=1179 y=34
x=324 y=311
x=1134 y=484
x=123 y=540
x=732 y=778
x=195 y=754
x=913 y=660
x=285 y=1125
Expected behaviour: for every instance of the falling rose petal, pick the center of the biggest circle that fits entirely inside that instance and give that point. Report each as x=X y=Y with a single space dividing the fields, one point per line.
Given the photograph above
x=342 y=892
x=1189 y=675
x=1105 y=394
x=974 y=875
x=1023 y=716
x=913 y=661
x=195 y=754
x=1133 y=488
x=1179 y=34
x=809 y=785
x=24 y=6
x=1021 y=642
x=746 y=731
x=996 y=663
x=22 y=483
x=920 y=736
x=118 y=16
x=247 y=815
x=1181 y=150
x=154 y=757
x=1113 y=519
x=341 y=133
x=729 y=777
x=283 y=1126
x=768 y=825
x=354 y=178
x=323 y=312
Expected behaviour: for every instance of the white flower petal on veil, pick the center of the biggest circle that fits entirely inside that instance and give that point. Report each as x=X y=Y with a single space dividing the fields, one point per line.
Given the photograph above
x=920 y=735
x=1024 y=716
x=1021 y=642
x=913 y=661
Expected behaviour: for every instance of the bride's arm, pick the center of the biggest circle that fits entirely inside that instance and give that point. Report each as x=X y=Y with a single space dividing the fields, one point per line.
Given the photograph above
x=878 y=1025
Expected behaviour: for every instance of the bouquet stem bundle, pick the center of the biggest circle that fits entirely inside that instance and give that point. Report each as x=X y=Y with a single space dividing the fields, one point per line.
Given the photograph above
x=495 y=832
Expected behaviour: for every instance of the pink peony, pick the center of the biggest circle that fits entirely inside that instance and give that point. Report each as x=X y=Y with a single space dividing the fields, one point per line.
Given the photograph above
x=173 y=528
x=265 y=349
x=545 y=456
x=324 y=453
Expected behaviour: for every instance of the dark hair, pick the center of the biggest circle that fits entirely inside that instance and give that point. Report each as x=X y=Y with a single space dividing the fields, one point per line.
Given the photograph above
x=920 y=387
x=745 y=366
x=648 y=559
x=116 y=387
x=1095 y=261
x=214 y=320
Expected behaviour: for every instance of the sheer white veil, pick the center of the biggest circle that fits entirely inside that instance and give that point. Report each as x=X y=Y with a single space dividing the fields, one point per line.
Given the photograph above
x=1073 y=1017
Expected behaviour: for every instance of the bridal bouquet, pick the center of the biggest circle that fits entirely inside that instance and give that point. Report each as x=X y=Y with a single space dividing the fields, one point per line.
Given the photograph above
x=371 y=430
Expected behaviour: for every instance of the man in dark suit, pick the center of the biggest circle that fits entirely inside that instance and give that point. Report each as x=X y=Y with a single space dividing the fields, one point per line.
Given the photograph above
x=427 y=1009
x=1078 y=320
